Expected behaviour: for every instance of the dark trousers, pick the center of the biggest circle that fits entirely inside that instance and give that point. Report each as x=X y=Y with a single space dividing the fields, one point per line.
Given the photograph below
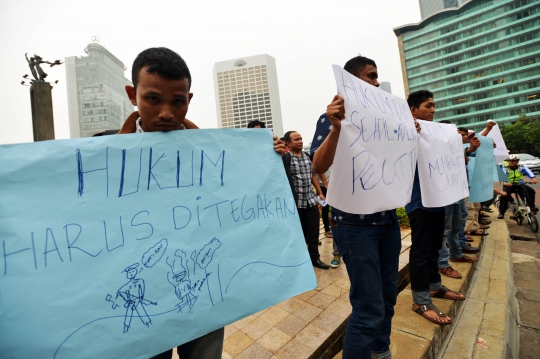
x=516 y=189
x=427 y=232
x=209 y=346
x=309 y=219
x=489 y=202
x=325 y=211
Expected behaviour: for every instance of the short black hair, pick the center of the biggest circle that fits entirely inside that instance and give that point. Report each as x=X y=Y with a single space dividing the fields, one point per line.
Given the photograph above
x=463 y=129
x=418 y=97
x=167 y=63
x=287 y=136
x=445 y=121
x=254 y=123
x=355 y=65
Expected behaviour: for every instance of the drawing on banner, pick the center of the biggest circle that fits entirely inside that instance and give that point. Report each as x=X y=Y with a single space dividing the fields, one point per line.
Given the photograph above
x=133 y=294
x=376 y=151
x=180 y=275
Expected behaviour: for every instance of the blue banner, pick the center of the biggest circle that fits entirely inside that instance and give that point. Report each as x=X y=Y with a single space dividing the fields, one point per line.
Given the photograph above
x=481 y=178
x=125 y=246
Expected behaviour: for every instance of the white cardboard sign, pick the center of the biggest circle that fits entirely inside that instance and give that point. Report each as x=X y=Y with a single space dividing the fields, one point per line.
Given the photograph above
x=375 y=158
x=501 y=152
x=441 y=165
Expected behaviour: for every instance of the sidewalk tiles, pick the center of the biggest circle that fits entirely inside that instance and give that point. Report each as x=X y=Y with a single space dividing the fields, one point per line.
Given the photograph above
x=304 y=326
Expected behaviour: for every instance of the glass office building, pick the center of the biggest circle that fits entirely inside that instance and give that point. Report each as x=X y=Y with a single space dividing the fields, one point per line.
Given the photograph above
x=480 y=60
x=97 y=99
x=429 y=7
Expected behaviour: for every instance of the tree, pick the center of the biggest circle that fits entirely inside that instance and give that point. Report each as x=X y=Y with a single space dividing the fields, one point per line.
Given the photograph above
x=523 y=136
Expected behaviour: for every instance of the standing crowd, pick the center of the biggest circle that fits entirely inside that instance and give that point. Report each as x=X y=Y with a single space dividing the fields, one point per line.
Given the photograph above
x=370 y=244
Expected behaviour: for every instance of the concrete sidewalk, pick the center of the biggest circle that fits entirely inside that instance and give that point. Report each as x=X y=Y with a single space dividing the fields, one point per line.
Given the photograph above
x=526 y=264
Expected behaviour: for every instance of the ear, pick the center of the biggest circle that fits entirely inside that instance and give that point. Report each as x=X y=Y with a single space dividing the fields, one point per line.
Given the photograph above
x=414 y=111
x=130 y=90
x=190 y=97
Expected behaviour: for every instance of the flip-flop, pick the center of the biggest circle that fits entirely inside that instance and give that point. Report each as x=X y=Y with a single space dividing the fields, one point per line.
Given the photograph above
x=424 y=308
x=442 y=292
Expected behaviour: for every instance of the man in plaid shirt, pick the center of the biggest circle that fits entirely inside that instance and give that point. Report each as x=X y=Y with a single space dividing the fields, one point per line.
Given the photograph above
x=300 y=173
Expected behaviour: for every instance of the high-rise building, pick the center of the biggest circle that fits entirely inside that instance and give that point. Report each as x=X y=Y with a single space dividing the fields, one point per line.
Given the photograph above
x=429 y=7
x=481 y=61
x=386 y=86
x=97 y=100
x=246 y=89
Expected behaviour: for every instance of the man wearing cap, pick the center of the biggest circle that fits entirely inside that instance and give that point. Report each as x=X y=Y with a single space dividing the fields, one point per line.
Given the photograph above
x=515 y=174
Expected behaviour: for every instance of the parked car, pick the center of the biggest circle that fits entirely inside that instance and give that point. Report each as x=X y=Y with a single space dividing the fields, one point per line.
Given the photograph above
x=533 y=163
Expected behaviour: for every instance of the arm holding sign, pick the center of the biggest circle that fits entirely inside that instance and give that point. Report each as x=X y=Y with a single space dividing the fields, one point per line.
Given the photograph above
x=315 y=183
x=475 y=143
x=324 y=156
x=488 y=128
x=279 y=146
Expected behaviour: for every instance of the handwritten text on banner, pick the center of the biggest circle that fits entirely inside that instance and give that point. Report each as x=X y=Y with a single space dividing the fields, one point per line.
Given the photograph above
x=482 y=178
x=376 y=152
x=125 y=246
x=441 y=165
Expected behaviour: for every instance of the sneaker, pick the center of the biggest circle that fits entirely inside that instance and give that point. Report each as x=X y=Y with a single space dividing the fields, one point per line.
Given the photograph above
x=335 y=262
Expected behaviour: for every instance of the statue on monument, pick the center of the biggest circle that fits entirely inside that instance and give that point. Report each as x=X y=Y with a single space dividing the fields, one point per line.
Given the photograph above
x=35 y=67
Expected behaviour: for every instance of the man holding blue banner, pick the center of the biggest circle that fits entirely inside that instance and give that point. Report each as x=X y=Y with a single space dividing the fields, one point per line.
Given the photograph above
x=161 y=84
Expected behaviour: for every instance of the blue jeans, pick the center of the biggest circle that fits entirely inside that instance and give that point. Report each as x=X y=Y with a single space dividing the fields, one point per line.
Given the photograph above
x=464 y=215
x=209 y=346
x=371 y=256
x=452 y=227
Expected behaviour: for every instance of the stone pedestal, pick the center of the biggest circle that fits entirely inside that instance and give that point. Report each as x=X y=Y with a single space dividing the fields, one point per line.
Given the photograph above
x=42 y=111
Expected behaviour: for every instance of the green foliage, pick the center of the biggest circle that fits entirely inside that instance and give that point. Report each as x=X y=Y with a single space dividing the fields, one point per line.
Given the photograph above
x=523 y=136
x=403 y=218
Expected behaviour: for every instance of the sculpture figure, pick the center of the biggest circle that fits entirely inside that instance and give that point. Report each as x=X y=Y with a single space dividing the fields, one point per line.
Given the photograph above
x=34 y=64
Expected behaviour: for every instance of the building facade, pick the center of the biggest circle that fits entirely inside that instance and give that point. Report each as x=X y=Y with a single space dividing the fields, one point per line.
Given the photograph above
x=97 y=100
x=386 y=86
x=246 y=89
x=430 y=7
x=480 y=60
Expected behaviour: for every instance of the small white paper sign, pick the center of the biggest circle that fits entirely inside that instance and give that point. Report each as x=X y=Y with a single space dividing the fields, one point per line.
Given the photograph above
x=375 y=159
x=501 y=152
x=441 y=165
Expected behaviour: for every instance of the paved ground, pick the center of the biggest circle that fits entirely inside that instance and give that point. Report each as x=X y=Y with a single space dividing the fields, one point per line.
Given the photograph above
x=301 y=327
x=526 y=264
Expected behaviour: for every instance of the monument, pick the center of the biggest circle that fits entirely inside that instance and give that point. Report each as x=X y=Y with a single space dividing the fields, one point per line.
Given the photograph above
x=41 y=98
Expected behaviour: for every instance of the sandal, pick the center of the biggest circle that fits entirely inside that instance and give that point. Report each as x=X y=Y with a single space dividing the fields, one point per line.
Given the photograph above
x=477 y=233
x=424 y=308
x=441 y=293
x=450 y=272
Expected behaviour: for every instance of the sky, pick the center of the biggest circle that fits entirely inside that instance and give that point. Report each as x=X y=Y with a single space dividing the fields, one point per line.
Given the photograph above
x=305 y=38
